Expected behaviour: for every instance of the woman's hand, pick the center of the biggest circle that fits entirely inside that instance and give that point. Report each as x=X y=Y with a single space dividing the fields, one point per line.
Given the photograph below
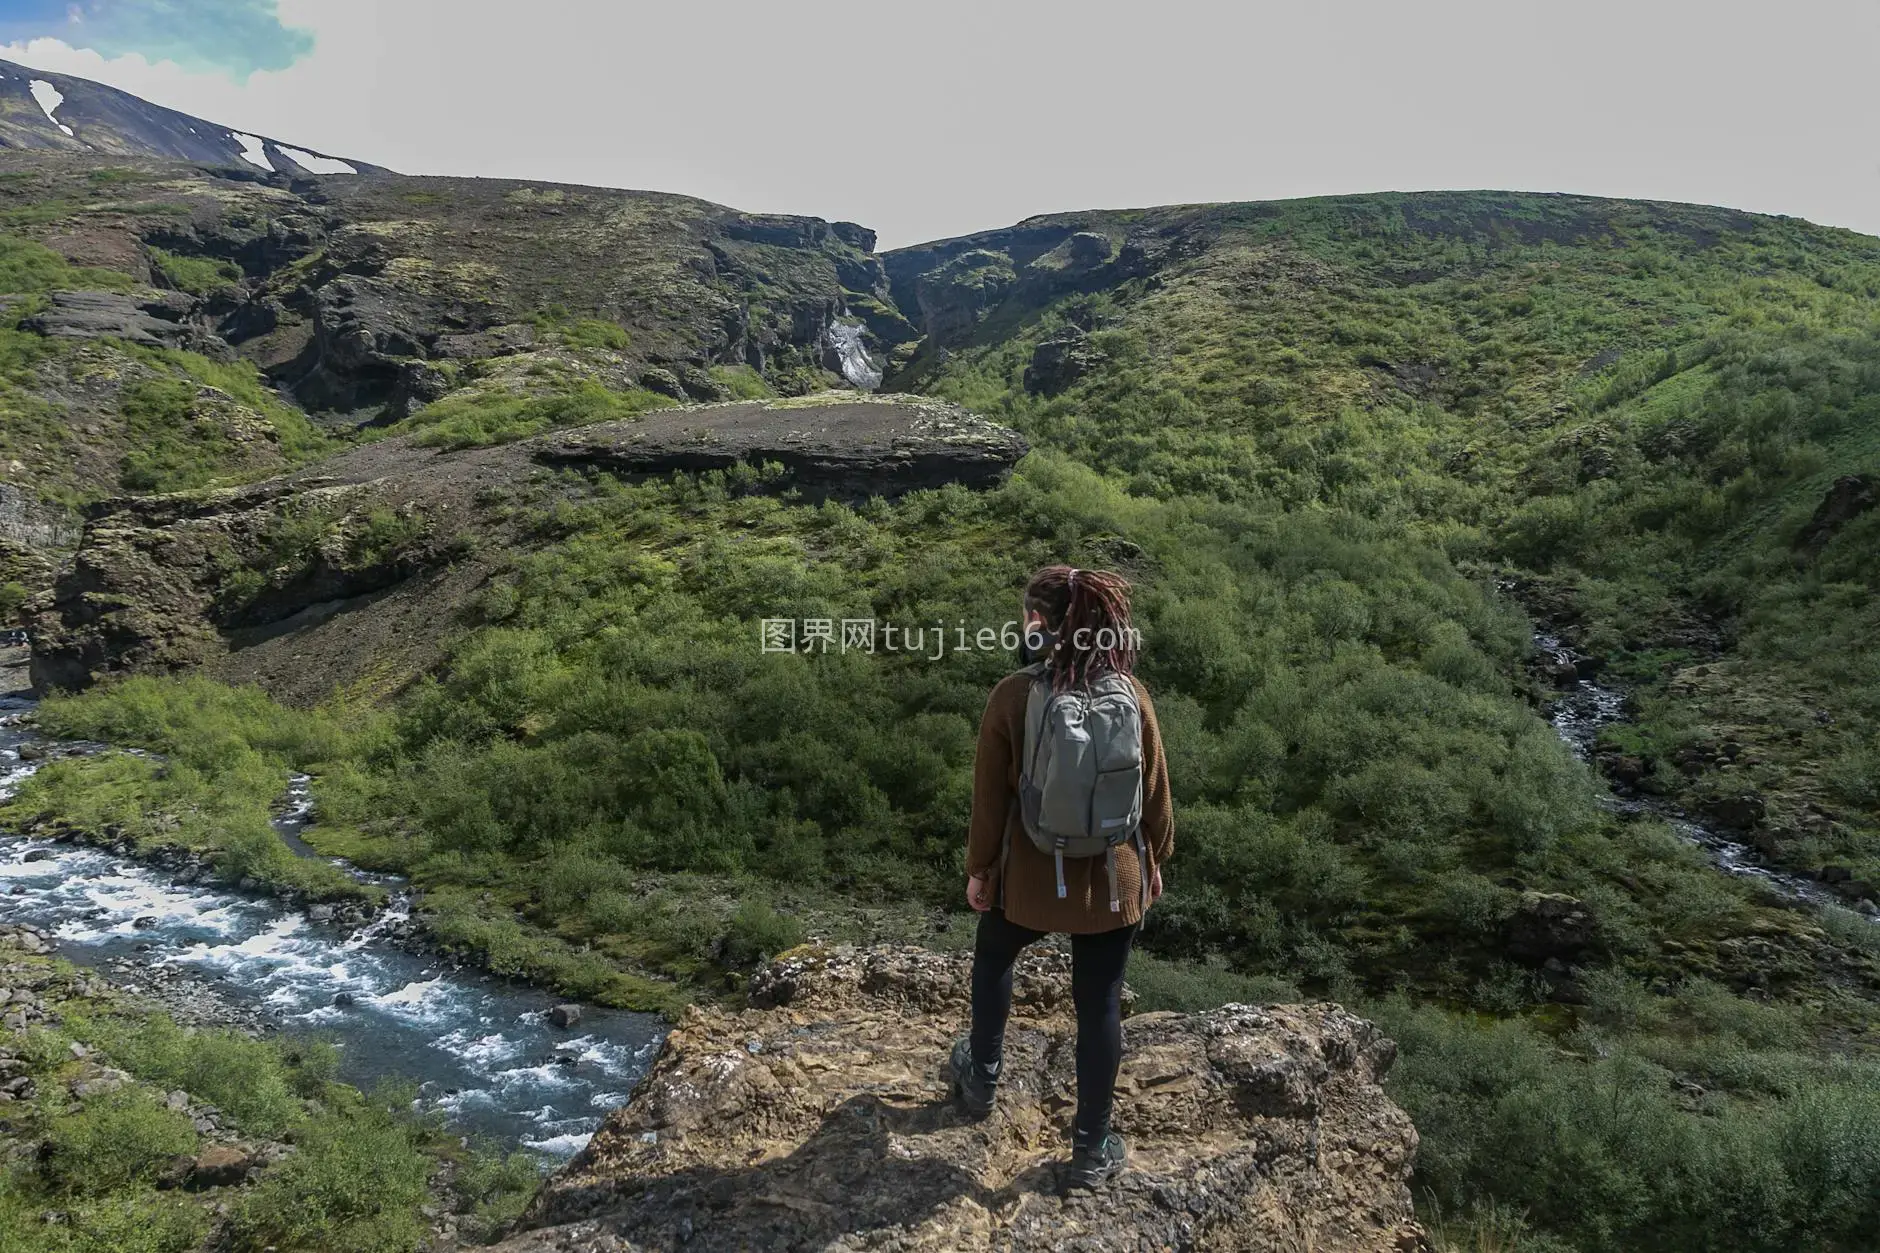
x=1155 y=883
x=979 y=892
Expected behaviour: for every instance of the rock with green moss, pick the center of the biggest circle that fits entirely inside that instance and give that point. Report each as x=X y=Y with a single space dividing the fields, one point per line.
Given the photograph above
x=1058 y=362
x=954 y=297
x=663 y=382
x=157 y=320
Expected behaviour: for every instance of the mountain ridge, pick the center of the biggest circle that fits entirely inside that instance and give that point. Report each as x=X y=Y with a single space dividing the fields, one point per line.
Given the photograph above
x=44 y=110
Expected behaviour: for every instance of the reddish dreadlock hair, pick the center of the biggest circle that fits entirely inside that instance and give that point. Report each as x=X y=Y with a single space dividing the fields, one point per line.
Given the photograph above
x=1088 y=613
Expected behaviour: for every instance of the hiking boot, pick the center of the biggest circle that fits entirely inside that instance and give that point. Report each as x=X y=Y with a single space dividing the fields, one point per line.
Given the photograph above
x=977 y=1086
x=1095 y=1160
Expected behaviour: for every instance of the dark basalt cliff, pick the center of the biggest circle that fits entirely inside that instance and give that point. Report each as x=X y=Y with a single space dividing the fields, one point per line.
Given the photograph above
x=367 y=297
x=363 y=299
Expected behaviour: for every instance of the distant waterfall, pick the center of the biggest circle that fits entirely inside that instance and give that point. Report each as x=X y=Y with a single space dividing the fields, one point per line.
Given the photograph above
x=842 y=346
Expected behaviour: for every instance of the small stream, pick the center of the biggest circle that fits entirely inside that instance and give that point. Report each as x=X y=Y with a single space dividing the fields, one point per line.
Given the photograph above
x=1587 y=707
x=482 y=1049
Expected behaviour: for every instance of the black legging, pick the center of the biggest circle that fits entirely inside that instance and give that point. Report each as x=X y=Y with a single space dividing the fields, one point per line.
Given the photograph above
x=1097 y=963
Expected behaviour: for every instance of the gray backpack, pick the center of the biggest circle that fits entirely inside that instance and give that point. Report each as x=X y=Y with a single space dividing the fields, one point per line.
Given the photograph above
x=1080 y=784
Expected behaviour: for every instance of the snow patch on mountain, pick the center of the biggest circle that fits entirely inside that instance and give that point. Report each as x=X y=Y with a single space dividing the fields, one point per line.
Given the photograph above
x=313 y=163
x=49 y=98
x=254 y=150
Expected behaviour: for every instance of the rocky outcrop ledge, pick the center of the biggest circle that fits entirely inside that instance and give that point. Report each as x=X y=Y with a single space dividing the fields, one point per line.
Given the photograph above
x=841 y=445
x=821 y=1119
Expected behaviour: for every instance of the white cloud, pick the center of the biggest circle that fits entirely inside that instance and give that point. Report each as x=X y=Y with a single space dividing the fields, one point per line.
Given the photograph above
x=924 y=122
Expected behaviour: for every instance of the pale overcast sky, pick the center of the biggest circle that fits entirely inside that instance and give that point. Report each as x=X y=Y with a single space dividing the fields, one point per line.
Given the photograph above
x=941 y=118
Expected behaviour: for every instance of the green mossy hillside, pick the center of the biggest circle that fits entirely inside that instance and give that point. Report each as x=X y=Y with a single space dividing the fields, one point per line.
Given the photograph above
x=1637 y=408
x=1346 y=450
x=85 y=419
x=610 y=780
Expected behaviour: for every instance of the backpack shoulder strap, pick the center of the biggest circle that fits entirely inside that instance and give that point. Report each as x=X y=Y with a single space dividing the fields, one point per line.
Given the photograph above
x=1037 y=704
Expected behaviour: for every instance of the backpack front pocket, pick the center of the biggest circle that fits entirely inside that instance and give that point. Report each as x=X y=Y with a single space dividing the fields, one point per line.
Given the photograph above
x=1116 y=804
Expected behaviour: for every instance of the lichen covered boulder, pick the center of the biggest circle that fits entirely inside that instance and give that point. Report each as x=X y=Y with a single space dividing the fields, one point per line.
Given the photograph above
x=822 y=1119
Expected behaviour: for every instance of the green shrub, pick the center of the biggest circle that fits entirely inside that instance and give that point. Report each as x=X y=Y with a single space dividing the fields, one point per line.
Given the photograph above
x=181 y=436
x=594 y=333
x=113 y=1141
x=200 y=276
x=27 y=267
x=579 y=332
x=210 y=725
x=1191 y=988
x=1854 y=776
x=741 y=382
x=137 y=1222
x=352 y=1186
x=385 y=535
x=246 y=1079
x=1601 y=1153
x=476 y=420
x=498 y=1187
x=1472 y=903
x=1851 y=930
x=228 y=752
x=756 y=932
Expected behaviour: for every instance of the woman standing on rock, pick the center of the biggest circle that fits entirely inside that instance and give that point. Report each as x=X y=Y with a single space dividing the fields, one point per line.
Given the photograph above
x=1072 y=823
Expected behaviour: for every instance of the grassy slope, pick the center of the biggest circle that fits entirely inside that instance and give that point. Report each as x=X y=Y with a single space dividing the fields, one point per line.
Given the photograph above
x=1641 y=405
x=1644 y=404
x=1314 y=437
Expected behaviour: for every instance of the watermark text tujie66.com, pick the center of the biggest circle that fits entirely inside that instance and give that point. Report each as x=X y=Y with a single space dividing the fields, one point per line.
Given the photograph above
x=935 y=641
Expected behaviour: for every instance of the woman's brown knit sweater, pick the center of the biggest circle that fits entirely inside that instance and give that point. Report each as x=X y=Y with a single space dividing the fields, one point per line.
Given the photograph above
x=1029 y=876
